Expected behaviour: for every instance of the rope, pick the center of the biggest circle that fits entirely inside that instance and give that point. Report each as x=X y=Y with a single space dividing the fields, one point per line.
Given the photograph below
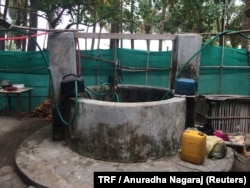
x=79 y=57
x=147 y=65
x=23 y=37
x=50 y=76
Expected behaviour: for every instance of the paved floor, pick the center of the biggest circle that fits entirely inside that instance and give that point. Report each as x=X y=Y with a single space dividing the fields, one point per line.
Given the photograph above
x=41 y=162
x=53 y=164
x=12 y=134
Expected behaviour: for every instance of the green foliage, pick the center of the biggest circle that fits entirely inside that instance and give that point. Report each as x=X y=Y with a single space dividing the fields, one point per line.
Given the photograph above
x=234 y=21
x=193 y=16
x=143 y=16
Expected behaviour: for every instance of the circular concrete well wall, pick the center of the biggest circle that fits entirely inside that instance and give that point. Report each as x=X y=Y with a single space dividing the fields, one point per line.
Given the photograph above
x=142 y=126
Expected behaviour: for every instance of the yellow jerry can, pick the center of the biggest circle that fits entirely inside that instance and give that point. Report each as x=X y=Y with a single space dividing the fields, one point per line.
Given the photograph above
x=193 y=146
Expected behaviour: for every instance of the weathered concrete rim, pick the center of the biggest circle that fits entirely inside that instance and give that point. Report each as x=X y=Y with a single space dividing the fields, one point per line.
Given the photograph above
x=128 y=131
x=128 y=104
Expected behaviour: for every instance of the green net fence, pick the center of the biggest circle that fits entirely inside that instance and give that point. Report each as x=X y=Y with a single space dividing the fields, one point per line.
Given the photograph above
x=130 y=66
x=222 y=70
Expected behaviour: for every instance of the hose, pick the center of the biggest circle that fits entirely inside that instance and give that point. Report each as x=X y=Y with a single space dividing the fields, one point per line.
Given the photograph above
x=202 y=48
x=75 y=109
x=116 y=98
x=50 y=75
x=99 y=94
x=169 y=92
x=53 y=90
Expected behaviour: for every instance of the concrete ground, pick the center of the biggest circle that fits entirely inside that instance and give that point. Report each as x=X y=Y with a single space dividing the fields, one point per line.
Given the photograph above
x=40 y=162
x=12 y=134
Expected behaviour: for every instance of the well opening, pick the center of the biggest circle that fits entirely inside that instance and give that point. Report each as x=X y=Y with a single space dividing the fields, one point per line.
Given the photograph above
x=129 y=93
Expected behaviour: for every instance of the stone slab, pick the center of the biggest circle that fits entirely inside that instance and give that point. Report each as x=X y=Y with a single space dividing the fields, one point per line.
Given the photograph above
x=53 y=164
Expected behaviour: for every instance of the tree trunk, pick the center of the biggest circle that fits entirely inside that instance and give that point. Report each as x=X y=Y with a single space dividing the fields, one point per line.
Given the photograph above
x=163 y=18
x=33 y=23
x=114 y=29
x=94 y=26
x=131 y=25
x=246 y=25
x=2 y=34
x=115 y=26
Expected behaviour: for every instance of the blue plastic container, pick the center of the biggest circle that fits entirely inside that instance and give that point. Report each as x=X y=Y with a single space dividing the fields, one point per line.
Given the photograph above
x=186 y=86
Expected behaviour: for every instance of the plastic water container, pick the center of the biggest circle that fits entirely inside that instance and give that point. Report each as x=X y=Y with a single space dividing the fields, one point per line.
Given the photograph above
x=193 y=146
x=186 y=86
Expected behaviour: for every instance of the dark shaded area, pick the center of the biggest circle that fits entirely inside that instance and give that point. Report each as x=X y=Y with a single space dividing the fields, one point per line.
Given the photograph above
x=130 y=93
x=11 y=140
